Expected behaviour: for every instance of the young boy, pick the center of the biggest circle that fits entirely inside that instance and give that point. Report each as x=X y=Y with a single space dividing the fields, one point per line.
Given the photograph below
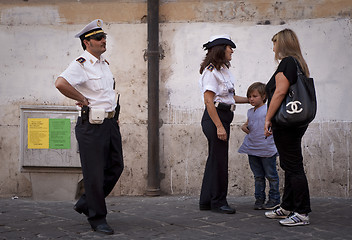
x=261 y=150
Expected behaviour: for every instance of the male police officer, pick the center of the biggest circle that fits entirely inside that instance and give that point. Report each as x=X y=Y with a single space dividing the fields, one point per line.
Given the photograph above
x=89 y=81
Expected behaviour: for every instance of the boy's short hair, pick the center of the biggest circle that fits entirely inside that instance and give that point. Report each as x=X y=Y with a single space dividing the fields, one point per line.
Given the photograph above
x=260 y=87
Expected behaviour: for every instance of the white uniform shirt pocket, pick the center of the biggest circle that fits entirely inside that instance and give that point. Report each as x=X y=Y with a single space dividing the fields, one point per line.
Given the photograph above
x=223 y=90
x=94 y=82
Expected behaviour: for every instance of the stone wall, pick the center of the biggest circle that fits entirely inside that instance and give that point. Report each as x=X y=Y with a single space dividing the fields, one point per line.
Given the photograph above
x=38 y=45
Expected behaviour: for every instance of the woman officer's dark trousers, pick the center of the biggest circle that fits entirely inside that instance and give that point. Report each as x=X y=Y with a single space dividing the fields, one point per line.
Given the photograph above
x=215 y=180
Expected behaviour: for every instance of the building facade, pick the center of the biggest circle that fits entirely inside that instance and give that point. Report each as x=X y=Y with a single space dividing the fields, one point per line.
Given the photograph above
x=38 y=44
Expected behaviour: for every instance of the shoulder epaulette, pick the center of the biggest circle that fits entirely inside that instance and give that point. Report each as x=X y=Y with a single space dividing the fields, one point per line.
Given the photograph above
x=81 y=60
x=210 y=67
x=107 y=62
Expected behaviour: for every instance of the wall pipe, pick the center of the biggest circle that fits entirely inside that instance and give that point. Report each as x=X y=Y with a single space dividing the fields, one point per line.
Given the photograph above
x=153 y=188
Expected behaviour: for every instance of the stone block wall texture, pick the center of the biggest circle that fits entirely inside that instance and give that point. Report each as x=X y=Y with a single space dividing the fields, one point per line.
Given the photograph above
x=38 y=45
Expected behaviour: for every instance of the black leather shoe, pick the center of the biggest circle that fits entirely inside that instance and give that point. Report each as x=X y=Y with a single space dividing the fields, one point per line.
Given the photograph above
x=80 y=211
x=224 y=209
x=104 y=228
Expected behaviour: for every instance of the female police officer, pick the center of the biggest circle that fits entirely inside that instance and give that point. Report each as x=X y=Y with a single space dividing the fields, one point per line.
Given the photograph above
x=217 y=86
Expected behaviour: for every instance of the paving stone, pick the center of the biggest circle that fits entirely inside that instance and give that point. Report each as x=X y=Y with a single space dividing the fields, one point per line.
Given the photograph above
x=169 y=217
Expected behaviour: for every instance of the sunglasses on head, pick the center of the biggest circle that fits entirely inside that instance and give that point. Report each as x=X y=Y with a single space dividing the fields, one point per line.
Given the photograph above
x=98 y=36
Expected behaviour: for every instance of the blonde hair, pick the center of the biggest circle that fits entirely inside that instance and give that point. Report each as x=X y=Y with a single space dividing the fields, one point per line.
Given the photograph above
x=287 y=44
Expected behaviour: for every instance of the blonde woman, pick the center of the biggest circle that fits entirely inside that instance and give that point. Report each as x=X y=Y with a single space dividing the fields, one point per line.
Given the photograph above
x=295 y=204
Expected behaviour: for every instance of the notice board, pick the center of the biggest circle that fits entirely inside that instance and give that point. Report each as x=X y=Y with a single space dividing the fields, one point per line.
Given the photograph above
x=48 y=136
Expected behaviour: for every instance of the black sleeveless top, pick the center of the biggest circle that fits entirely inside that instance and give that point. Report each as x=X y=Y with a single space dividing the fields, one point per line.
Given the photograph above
x=288 y=67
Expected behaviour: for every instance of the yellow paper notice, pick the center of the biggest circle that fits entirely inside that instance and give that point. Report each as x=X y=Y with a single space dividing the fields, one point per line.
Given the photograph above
x=38 y=133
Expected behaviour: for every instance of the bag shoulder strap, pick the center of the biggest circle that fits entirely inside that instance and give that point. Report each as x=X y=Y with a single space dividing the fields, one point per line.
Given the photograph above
x=299 y=71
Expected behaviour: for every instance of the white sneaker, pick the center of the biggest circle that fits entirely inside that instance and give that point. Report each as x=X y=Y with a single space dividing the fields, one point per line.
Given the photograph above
x=277 y=213
x=295 y=219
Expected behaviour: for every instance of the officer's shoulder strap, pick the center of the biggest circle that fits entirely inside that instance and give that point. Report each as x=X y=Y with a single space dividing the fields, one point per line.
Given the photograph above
x=210 y=67
x=81 y=60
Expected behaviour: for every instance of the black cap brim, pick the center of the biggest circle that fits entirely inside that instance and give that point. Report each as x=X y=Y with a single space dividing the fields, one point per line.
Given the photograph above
x=219 y=41
x=91 y=33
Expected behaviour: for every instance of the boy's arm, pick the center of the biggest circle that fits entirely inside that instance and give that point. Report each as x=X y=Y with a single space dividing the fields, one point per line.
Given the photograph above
x=244 y=127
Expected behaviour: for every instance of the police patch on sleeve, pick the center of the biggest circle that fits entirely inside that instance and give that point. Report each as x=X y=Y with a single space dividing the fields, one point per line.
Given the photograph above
x=210 y=67
x=81 y=60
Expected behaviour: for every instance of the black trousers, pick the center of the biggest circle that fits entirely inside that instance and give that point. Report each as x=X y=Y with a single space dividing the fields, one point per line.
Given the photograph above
x=296 y=192
x=100 y=150
x=215 y=180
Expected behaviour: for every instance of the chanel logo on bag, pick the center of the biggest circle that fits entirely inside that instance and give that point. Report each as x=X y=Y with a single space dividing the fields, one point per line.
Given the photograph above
x=295 y=107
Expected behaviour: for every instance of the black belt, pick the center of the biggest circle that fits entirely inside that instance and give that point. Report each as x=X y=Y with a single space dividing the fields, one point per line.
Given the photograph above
x=107 y=114
x=224 y=106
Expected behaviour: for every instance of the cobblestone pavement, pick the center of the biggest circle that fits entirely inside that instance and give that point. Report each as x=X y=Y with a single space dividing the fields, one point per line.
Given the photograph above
x=169 y=217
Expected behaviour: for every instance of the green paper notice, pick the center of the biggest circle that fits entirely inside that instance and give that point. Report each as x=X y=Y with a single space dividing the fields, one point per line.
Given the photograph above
x=59 y=133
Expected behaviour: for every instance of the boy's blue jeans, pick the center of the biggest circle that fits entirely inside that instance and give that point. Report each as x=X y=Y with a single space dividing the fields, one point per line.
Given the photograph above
x=265 y=167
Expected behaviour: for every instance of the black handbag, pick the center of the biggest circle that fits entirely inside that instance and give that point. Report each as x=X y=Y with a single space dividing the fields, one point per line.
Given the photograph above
x=299 y=106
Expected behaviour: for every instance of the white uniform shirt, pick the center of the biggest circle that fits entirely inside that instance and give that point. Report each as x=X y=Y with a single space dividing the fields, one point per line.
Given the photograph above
x=92 y=77
x=220 y=82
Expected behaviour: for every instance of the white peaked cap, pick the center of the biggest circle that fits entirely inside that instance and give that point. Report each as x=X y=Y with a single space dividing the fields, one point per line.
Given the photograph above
x=225 y=36
x=91 y=28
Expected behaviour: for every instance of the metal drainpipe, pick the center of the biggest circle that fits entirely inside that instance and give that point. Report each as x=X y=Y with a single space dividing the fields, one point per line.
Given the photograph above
x=153 y=188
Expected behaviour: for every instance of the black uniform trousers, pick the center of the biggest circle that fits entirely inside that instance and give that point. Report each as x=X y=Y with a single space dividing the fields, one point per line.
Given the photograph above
x=215 y=180
x=100 y=150
x=296 y=192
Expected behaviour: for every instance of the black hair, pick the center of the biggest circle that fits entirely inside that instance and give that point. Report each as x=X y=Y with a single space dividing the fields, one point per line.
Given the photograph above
x=216 y=56
x=82 y=43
